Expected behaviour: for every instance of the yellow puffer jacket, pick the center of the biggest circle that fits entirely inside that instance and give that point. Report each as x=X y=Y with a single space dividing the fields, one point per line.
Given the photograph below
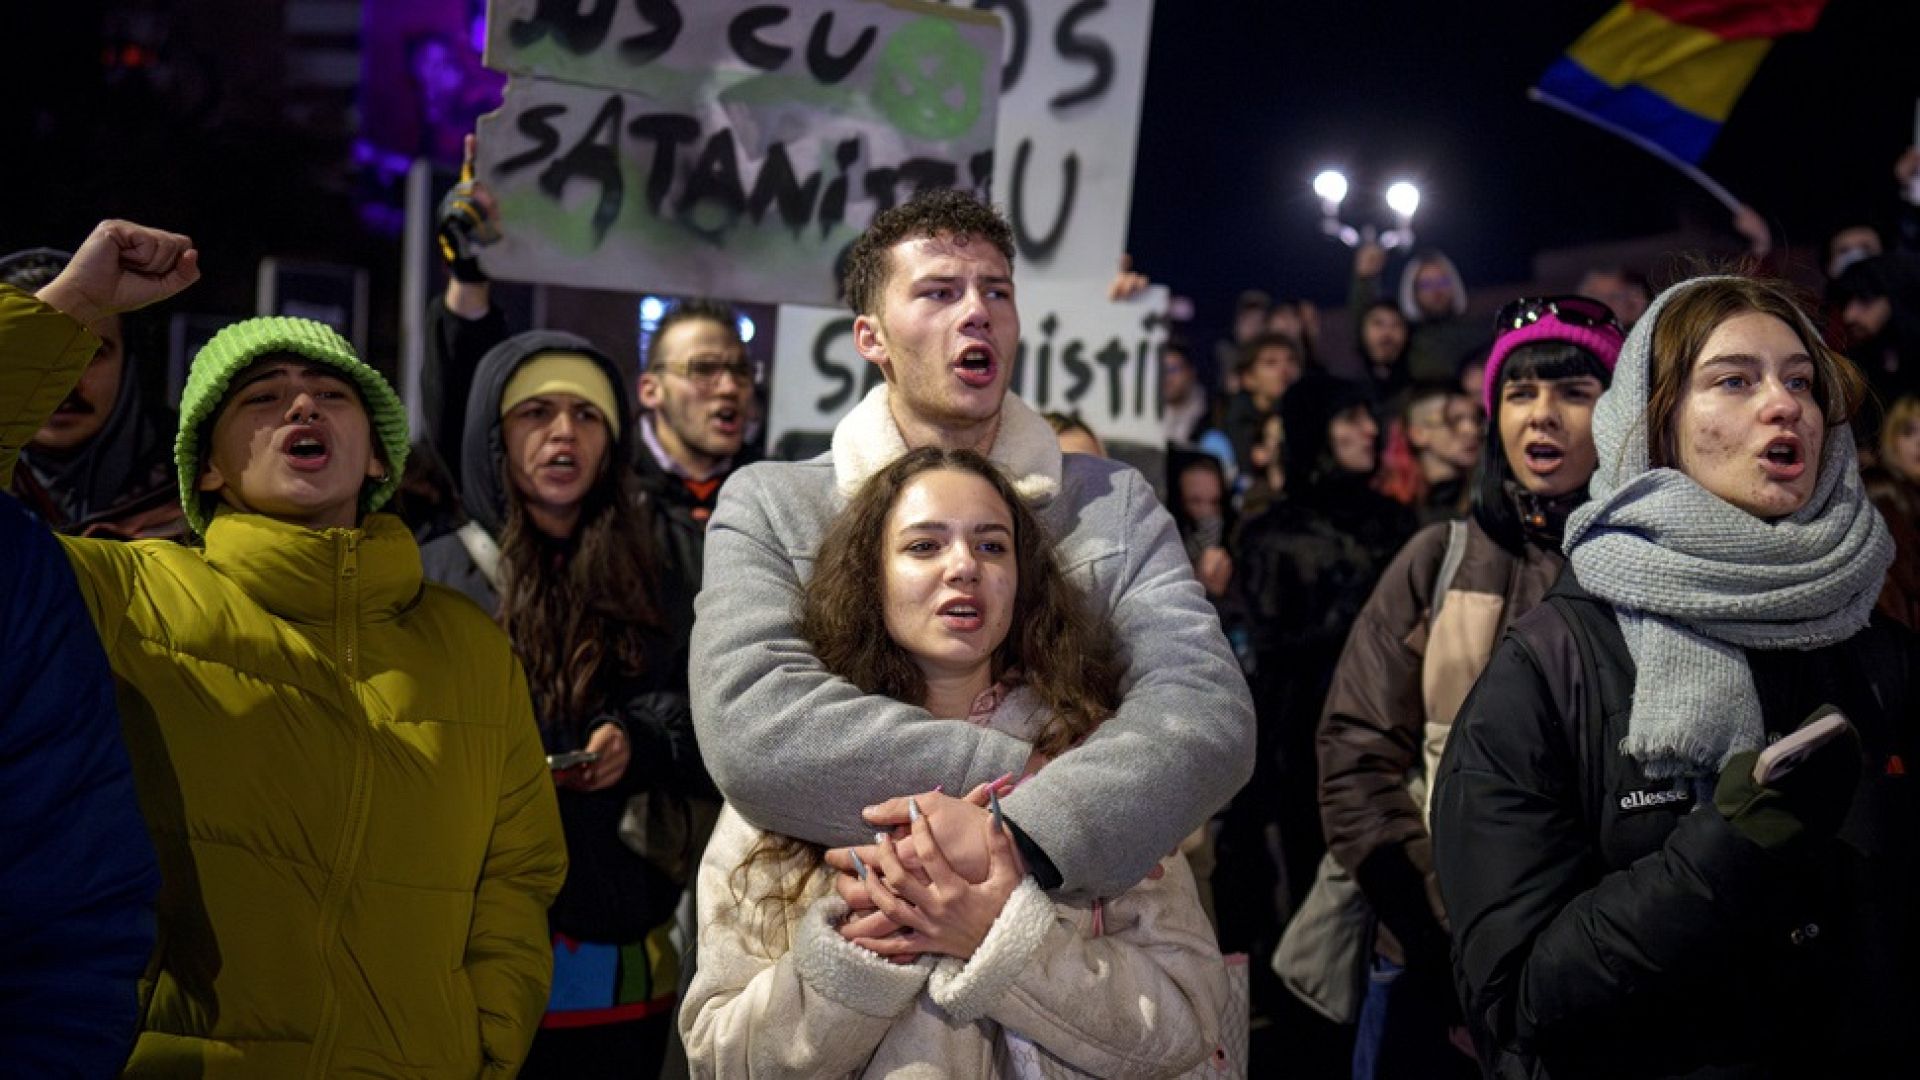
x=339 y=766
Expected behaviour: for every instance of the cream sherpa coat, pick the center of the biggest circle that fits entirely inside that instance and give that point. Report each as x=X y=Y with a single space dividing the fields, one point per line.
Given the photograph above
x=1142 y=999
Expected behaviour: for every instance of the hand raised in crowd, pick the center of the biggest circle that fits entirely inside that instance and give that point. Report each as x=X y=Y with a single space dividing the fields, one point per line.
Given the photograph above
x=1753 y=228
x=122 y=266
x=610 y=742
x=1904 y=170
x=1215 y=571
x=469 y=219
x=938 y=910
x=1128 y=282
x=1368 y=260
x=1309 y=320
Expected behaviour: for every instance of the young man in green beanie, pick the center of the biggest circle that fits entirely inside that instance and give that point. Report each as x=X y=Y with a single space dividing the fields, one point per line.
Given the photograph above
x=337 y=762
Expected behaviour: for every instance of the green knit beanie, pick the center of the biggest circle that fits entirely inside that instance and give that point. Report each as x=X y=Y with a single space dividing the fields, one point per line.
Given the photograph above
x=232 y=350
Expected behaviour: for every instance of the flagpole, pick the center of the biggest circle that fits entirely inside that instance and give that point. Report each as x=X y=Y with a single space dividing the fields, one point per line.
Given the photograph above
x=1692 y=172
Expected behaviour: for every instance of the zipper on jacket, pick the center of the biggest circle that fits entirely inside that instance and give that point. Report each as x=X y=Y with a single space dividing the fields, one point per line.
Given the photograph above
x=340 y=875
x=346 y=614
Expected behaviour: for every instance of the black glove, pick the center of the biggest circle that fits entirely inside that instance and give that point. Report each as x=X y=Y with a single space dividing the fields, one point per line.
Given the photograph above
x=1806 y=804
x=462 y=230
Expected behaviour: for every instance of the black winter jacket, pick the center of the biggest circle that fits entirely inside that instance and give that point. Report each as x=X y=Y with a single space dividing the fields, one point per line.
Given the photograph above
x=1305 y=568
x=454 y=348
x=611 y=893
x=1609 y=925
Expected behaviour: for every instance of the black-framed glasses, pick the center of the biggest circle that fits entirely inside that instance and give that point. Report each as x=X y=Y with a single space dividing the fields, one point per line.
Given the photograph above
x=705 y=374
x=1572 y=310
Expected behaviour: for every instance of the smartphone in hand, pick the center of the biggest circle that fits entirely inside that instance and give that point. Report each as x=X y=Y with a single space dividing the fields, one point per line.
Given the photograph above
x=572 y=759
x=1782 y=757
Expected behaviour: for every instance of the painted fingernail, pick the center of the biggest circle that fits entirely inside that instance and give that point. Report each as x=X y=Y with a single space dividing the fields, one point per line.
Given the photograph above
x=993 y=803
x=939 y=789
x=913 y=810
x=881 y=838
x=859 y=867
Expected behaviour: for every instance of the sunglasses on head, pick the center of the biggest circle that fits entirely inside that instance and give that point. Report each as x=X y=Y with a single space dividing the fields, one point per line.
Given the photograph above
x=1572 y=310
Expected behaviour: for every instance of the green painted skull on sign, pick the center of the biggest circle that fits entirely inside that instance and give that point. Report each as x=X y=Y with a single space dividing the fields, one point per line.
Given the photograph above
x=928 y=81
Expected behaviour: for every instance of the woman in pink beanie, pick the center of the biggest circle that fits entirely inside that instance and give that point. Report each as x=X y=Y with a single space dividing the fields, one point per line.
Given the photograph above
x=1425 y=635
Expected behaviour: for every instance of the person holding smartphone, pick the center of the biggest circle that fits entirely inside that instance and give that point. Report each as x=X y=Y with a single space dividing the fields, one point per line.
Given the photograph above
x=561 y=551
x=1628 y=897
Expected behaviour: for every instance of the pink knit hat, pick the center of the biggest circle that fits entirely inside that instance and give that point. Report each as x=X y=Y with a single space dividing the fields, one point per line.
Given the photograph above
x=1602 y=341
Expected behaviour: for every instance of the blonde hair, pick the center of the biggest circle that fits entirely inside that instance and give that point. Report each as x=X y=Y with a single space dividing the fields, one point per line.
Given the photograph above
x=1904 y=411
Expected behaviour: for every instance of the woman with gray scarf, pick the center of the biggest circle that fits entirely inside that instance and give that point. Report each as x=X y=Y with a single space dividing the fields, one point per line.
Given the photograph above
x=1626 y=899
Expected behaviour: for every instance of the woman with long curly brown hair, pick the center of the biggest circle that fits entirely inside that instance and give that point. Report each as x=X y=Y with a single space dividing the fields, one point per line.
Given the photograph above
x=937 y=586
x=573 y=580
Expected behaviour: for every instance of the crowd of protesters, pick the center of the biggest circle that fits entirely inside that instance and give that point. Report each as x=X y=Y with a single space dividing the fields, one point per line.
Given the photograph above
x=1439 y=685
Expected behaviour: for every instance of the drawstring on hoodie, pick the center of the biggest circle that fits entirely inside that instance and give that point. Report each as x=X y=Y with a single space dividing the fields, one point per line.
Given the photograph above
x=1543 y=517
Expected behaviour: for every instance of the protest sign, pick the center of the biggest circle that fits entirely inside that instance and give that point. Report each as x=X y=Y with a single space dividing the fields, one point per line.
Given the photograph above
x=725 y=148
x=1071 y=83
x=1079 y=352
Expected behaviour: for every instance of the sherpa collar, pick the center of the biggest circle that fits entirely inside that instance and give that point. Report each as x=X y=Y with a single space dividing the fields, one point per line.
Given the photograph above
x=1026 y=450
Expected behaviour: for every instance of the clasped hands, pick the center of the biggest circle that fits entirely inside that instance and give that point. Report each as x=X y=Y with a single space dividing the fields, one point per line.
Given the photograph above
x=934 y=879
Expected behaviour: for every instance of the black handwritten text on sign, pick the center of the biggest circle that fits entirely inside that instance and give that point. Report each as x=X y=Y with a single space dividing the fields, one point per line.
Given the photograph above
x=752 y=139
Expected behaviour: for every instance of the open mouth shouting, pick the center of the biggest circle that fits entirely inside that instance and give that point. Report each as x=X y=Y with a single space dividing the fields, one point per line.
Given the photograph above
x=1544 y=457
x=1783 y=459
x=306 y=449
x=562 y=466
x=977 y=367
x=726 y=419
x=962 y=614
x=74 y=405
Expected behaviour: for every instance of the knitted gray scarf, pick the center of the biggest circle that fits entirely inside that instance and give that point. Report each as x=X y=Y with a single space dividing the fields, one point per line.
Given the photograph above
x=1694 y=580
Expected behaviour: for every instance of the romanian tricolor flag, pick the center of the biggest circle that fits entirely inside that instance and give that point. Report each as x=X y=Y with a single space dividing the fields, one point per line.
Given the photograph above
x=1666 y=73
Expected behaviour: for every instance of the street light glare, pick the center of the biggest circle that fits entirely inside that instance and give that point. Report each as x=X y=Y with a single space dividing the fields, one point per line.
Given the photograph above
x=1404 y=198
x=1330 y=185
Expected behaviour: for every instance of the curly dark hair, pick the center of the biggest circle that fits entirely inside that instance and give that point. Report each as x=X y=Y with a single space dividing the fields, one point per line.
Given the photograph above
x=929 y=214
x=1066 y=655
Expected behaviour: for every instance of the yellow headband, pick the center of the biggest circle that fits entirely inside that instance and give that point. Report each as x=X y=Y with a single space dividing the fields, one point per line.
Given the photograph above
x=563 y=373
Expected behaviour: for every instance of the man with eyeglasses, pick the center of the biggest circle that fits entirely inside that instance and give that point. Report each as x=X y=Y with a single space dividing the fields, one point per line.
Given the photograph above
x=696 y=385
x=697 y=390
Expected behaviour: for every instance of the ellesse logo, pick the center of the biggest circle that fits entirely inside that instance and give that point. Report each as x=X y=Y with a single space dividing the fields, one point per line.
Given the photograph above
x=1636 y=801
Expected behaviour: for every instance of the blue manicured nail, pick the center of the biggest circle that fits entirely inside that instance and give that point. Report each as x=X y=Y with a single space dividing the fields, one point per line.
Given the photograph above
x=859 y=867
x=913 y=810
x=993 y=803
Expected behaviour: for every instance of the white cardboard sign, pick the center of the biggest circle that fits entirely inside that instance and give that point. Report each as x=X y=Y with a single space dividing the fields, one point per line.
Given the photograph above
x=1079 y=353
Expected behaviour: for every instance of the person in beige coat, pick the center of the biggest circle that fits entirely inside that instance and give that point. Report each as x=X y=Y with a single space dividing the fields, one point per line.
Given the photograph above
x=938 y=587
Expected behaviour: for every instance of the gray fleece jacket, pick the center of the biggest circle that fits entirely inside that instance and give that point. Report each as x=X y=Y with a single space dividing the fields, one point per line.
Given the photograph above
x=799 y=751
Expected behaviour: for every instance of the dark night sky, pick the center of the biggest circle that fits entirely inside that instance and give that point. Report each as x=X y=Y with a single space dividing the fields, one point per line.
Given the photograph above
x=1246 y=100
